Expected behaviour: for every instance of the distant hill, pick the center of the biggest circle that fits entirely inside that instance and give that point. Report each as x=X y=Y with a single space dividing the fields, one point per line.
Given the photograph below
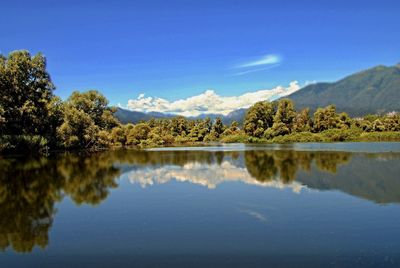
x=376 y=90
x=128 y=116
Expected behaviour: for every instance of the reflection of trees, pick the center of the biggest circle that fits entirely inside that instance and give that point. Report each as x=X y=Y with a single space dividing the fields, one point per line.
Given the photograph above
x=87 y=179
x=330 y=161
x=29 y=189
x=283 y=165
x=261 y=165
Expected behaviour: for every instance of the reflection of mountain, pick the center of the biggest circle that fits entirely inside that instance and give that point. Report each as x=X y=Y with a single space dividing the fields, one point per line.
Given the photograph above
x=30 y=188
x=372 y=178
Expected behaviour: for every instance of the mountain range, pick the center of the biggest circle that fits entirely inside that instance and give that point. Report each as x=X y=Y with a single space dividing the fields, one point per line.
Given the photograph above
x=375 y=90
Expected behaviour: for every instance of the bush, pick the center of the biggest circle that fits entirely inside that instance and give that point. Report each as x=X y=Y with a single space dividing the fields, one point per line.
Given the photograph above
x=298 y=137
x=380 y=136
x=280 y=129
x=269 y=134
x=23 y=143
x=234 y=138
x=341 y=134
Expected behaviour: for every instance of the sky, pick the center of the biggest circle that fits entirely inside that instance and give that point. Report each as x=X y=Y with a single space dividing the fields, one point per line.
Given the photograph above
x=191 y=57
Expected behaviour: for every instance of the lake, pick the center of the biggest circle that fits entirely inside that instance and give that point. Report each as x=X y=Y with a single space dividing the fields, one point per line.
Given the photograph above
x=299 y=205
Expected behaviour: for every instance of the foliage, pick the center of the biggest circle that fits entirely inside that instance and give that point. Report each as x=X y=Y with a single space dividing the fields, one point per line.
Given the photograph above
x=85 y=115
x=33 y=119
x=259 y=118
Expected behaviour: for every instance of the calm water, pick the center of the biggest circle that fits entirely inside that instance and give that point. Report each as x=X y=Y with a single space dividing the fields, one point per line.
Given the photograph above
x=302 y=205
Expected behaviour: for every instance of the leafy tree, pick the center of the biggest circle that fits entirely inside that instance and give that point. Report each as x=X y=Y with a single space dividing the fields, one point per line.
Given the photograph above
x=378 y=125
x=179 y=126
x=96 y=106
x=118 y=135
x=26 y=92
x=285 y=113
x=302 y=122
x=325 y=118
x=258 y=118
x=138 y=133
x=78 y=129
x=278 y=129
x=344 y=121
x=85 y=114
x=218 y=127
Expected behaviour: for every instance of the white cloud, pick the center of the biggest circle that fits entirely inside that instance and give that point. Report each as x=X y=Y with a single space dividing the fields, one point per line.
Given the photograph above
x=254 y=70
x=209 y=101
x=265 y=60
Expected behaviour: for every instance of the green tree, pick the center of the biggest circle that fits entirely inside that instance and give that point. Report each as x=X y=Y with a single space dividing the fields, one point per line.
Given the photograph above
x=325 y=118
x=85 y=115
x=259 y=118
x=118 y=135
x=138 y=133
x=96 y=106
x=218 y=127
x=285 y=113
x=179 y=126
x=78 y=129
x=26 y=91
x=302 y=122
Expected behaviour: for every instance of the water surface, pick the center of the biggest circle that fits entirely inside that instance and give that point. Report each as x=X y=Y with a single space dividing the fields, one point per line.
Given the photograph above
x=301 y=205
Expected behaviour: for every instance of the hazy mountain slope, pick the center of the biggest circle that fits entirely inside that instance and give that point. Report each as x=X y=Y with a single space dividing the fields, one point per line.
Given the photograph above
x=376 y=90
x=128 y=116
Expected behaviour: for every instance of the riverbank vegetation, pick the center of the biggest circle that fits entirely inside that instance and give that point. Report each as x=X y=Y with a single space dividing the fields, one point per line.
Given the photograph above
x=33 y=118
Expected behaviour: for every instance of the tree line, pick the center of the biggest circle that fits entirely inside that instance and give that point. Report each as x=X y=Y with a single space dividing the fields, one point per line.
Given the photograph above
x=33 y=118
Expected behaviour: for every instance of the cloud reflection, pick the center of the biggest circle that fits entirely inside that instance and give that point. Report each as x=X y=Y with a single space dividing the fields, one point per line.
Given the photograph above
x=208 y=175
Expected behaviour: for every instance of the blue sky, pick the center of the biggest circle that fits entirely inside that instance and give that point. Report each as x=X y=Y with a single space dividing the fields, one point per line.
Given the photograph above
x=177 y=49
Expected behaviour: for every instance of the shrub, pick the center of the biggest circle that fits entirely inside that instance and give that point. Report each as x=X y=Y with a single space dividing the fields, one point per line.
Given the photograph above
x=234 y=138
x=23 y=143
x=341 y=134
x=380 y=136
x=298 y=137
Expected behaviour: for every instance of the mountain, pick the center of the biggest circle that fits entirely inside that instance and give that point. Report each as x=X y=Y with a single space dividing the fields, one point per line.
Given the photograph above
x=376 y=90
x=128 y=116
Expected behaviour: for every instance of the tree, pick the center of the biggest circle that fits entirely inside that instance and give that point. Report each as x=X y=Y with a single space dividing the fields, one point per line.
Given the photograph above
x=138 y=133
x=285 y=113
x=179 y=126
x=78 y=129
x=344 y=121
x=26 y=91
x=96 y=106
x=218 y=127
x=302 y=122
x=85 y=115
x=118 y=135
x=325 y=118
x=234 y=127
x=258 y=118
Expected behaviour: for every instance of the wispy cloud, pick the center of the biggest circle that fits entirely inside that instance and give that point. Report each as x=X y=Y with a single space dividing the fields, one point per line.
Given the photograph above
x=209 y=101
x=264 y=60
x=254 y=70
